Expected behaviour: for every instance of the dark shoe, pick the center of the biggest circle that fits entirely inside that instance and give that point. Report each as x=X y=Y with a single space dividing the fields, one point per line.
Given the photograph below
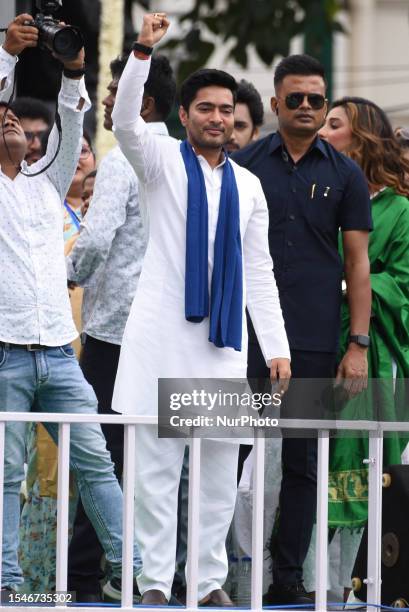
x=112 y=590
x=287 y=594
x=154 y=597
x=178 y=594
x=216 y=599
x=6 y=596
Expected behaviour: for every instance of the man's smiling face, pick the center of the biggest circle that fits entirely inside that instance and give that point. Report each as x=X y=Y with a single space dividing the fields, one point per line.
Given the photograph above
x=209 y=122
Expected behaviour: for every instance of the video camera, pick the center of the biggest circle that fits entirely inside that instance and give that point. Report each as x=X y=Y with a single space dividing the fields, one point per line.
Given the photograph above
x=65 y=41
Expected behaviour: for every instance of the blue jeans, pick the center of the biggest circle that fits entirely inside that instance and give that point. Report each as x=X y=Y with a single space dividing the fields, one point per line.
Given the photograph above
x=51 y=380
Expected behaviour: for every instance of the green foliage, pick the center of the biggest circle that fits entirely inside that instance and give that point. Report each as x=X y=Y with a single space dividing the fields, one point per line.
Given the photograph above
x=266 y=25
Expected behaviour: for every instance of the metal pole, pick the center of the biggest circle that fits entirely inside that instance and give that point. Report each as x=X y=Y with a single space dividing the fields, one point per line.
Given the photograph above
x=321 y=563
x=318 y=39
x=63 y=495
x=2 y=438
x=128 y=514
x=257 y=523
x=192 y=565
x=375 y=462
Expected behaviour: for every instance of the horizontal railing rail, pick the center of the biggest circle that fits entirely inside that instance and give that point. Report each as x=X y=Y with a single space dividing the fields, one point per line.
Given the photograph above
x=130 y=422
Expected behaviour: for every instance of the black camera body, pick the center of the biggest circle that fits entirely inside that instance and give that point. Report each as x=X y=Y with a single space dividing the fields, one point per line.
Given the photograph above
x=64 y=41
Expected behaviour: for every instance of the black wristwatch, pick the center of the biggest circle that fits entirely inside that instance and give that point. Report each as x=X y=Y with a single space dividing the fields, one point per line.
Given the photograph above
x=73 y=74
x=360 y=340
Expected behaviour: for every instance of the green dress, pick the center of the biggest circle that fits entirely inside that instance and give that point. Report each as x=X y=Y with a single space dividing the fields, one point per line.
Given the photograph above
x=389 y=331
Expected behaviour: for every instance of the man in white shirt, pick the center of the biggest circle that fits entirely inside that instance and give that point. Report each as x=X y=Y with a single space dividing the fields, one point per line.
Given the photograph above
x=107 y=261
x=38 y=368
x=161 y=340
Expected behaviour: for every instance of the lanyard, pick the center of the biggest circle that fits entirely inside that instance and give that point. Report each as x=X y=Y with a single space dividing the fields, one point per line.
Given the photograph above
x=75 y=219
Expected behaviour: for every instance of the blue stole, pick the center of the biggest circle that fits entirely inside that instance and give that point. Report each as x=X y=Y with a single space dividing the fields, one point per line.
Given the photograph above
x=226 y=295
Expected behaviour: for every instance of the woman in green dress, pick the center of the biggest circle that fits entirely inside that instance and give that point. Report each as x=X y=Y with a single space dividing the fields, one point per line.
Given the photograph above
x=361 y=130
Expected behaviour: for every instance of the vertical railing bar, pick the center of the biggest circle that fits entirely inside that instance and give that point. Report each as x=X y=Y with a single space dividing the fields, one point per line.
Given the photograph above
x=62 y=505
x=2 y=439
x=192 y=565
x=128 y=480
x=375 y=469
x=257 y=533
x=321 y=563
x=374 y=517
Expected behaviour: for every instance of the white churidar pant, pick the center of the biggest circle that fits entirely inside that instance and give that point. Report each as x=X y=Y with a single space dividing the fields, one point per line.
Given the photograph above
x=157 y=482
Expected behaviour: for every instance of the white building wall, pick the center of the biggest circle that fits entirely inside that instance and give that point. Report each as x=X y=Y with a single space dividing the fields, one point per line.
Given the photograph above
x=373 y=60
x=7 y=14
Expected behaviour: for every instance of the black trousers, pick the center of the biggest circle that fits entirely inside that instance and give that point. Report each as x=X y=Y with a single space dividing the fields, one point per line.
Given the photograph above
x=99 y=363
x=298 y=495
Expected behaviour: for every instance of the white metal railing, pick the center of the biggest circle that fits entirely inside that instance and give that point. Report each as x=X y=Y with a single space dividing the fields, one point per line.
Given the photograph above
x=374 y=461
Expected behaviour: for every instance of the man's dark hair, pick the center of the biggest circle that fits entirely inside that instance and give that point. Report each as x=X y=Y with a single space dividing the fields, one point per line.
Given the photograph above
x=88 y=138
x=247 y=94
x=31 y=108
x=206 y=77
x=161 y=85
x=90 y=175
x=300 y=65
x=117 y=66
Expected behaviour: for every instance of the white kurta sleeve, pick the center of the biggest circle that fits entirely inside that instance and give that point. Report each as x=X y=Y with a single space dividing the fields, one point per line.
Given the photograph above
x=137 y=143
x=107 y=213
x=263 y=300
x=7 y=64
x=73 y=103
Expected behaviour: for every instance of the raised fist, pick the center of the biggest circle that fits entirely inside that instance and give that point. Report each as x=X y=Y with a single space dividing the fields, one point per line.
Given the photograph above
x=154 y=28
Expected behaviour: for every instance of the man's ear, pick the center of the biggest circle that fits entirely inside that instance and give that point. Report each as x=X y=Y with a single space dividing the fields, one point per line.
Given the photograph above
x=255 y=134
x=183 y=116
x=148 y=106
x=274 y=105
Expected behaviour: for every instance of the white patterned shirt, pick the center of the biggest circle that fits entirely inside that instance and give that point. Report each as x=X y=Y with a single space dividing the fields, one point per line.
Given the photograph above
x=107 y=256
x=34 y=301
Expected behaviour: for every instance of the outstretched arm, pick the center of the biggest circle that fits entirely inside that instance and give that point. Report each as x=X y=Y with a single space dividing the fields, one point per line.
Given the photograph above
x=19 y=36
x=73 y=102
x=138 y=144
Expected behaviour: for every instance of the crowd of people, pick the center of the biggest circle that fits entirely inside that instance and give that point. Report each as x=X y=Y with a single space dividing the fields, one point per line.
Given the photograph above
x=221 y=256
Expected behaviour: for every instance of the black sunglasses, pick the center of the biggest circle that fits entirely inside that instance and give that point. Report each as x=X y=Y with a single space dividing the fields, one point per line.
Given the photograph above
x=294 y=100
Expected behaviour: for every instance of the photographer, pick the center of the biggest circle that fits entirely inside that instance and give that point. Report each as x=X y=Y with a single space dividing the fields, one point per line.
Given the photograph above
x=38 y=369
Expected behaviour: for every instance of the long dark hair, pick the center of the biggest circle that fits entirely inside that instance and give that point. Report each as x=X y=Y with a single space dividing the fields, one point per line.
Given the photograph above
x=374 y=145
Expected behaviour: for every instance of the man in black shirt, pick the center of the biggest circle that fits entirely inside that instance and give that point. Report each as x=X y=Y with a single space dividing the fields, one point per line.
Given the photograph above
x=312 y=191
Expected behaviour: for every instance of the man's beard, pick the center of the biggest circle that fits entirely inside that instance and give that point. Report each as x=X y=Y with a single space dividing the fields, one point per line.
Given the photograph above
x=212 y=144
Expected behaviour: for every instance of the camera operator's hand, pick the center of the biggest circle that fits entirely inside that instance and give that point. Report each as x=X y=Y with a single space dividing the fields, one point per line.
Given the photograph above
x=20 y=36
x=74 y=64
x=154 y=27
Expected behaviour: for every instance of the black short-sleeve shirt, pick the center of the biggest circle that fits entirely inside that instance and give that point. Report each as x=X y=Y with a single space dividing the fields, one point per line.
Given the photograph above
x=309 y=202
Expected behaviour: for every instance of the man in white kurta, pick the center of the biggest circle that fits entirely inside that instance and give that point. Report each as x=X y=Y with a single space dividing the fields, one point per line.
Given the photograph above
x=160 y=343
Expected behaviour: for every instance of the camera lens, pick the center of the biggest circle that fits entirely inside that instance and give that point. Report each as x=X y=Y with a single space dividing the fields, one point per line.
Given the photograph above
x=67 y=43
